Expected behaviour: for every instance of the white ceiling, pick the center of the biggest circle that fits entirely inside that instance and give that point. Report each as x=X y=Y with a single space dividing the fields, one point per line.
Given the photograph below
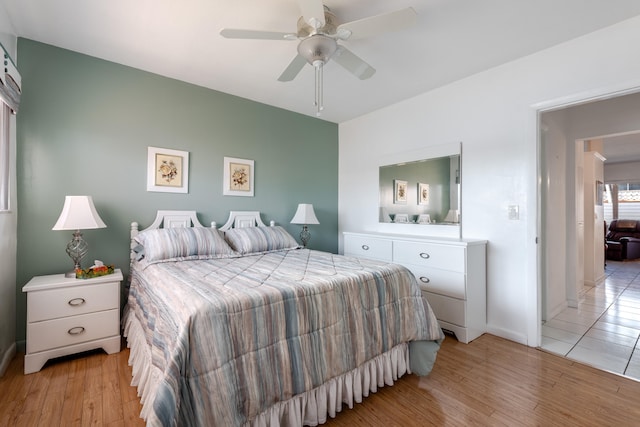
x=622 y=148
x=180 y=39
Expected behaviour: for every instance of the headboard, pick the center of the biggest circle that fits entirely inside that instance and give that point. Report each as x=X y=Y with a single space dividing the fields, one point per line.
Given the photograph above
x=241 y=219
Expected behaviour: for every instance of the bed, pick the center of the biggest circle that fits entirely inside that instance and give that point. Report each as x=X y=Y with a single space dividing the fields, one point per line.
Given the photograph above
x=240 y=326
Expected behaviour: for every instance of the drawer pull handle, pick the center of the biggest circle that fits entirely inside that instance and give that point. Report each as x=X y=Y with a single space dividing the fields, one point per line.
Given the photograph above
x=424 y=255
x=76 y=302
x=424 y=279
x=365 y=247
x=76 y=330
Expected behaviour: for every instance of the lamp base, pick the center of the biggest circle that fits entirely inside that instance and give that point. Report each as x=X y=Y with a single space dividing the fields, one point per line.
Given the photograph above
x=70 y=274
x=305 y=236
x=77 y=248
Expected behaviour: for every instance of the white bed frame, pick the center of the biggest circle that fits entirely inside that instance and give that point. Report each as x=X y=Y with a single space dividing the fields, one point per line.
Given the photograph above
x=315 y=406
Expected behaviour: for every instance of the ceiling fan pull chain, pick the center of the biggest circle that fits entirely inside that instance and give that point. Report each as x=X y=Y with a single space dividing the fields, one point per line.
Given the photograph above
x=319 y=101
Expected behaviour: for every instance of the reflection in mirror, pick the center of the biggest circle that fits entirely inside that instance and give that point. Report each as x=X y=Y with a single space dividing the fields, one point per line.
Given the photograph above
x=421 y=192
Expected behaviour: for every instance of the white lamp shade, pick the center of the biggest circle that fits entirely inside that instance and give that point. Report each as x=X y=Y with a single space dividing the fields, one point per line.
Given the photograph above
x=78 y=213
x=305 y=215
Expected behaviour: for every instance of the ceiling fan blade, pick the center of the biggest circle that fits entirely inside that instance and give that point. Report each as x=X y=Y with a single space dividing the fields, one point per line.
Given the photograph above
x=313 y=12
x=353 y=63
x=293 y=69
x=232 y=33
x=373 y=25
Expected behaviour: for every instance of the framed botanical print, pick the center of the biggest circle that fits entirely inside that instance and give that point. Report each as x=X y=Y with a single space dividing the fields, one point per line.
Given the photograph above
x=400 y=191
x=167 y=170
x=238 y=177
x=423 y=194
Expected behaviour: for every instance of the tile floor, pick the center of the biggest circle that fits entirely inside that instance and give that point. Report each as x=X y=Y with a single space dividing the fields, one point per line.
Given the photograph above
x=603 y=331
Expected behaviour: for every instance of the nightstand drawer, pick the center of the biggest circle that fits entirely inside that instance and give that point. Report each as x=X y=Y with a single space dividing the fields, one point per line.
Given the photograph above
x=72 y=330
x=72 y=301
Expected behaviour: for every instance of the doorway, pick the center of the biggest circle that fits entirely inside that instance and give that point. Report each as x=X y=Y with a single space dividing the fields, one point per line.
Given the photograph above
x=561 y=224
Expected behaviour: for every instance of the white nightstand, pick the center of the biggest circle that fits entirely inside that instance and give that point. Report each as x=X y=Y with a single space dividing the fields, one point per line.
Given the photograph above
x=68 y=315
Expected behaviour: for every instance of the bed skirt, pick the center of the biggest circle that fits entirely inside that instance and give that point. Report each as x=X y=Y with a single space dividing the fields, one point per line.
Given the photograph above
x=310 y=408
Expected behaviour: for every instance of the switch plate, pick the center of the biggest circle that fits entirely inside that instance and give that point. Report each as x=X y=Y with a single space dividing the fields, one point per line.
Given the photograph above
x=514 y=212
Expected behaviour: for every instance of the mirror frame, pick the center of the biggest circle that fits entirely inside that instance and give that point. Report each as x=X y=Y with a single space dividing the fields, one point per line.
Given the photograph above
x=426 y=153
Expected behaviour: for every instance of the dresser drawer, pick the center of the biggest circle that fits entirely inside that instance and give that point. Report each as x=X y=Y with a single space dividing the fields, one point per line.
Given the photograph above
x=368 y=247
x=447 y=309
x=72 y=301
x=72 y=330
x=442 y=282
x=444 y=257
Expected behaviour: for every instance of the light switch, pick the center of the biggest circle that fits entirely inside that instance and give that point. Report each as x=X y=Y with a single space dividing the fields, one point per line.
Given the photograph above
x=514 y=212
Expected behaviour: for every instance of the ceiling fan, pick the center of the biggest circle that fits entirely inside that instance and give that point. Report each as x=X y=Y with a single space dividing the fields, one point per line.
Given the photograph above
x=319 y=31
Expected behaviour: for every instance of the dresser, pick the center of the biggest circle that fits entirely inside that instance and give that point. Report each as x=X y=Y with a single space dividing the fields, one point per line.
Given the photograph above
x=69 y=315
x=451 y=274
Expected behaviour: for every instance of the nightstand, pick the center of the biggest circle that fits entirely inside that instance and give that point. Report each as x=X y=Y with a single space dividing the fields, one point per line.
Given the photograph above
x=68 y=315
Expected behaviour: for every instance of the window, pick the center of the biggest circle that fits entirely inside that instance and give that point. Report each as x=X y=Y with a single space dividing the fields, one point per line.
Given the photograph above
x=5 y=165
x=622 y=201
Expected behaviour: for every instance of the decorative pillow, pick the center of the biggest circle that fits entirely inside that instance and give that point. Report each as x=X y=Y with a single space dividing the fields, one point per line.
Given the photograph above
x=180 y=243
x=260 y=239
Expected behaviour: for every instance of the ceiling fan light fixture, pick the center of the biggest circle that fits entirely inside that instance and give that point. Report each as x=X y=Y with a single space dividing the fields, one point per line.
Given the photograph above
x=317 y=47
x=317 y=50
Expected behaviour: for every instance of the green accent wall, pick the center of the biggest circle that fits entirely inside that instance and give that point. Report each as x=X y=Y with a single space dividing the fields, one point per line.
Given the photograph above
x=84 y=127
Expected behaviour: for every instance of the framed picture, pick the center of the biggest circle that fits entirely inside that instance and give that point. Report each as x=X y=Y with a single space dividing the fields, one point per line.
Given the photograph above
x=167 y=170
x=238 y=177
x=423 y=194
x=400 y=191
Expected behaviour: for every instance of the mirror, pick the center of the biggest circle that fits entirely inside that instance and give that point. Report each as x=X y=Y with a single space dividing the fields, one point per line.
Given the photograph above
x=421 y=192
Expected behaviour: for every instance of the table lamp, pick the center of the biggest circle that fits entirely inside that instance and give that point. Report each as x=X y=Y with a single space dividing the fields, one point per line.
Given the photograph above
x=78 y=213
x=305 y=215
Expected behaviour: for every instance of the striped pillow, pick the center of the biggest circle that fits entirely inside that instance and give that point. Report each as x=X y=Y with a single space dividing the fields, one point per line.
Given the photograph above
x=249 y=240
x=175 y=244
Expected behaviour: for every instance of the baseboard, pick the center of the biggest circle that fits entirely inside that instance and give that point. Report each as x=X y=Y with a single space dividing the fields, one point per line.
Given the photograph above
x=507 y=334
x=7 y=357
x=559 y=308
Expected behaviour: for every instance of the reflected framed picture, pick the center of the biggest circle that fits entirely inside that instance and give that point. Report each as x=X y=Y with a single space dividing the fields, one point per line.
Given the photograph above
x=238 y=177
x=423 y=194
x=167 y=170
x=400 y=192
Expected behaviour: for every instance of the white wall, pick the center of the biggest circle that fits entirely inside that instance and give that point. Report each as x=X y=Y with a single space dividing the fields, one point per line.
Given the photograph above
x=494 y=115
x=623 y=172
x=8 y=231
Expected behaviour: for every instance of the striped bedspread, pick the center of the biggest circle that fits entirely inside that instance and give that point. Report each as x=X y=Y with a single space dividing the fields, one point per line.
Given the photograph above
x=231 y=337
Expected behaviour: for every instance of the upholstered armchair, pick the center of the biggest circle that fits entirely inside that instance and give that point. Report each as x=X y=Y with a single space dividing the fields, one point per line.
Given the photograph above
x=623 y=240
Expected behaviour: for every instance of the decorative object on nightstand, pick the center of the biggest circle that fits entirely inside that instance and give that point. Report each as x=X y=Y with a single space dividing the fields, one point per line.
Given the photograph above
x=96 y=270
x=305 y=215
x=67 y=316
x=78 y=213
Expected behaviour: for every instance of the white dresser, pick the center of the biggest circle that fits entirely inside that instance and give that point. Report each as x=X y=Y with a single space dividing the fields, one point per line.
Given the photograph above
x=451 y=274
x=68 y=315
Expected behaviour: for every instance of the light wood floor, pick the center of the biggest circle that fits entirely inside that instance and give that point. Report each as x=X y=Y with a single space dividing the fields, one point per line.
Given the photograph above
x=490 y=381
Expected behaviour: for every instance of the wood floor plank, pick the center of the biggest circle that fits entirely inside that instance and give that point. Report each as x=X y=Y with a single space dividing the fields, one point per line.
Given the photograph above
x=488 y=382
x=72 y=406
x=111 y=397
